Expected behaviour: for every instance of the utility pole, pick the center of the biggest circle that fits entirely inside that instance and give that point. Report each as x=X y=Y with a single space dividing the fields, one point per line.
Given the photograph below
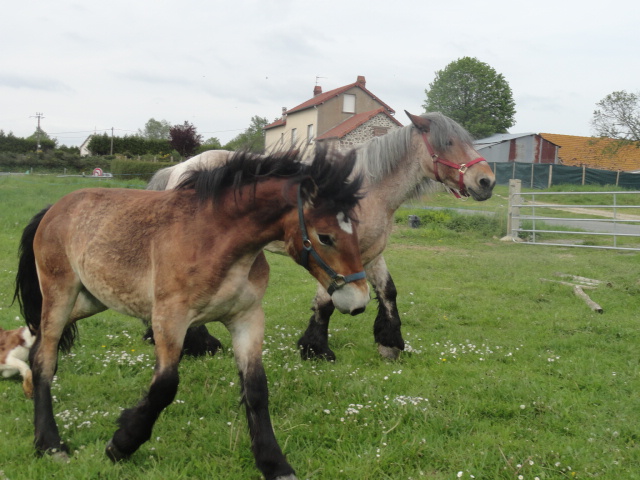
x=111 y=141
x=38 y=115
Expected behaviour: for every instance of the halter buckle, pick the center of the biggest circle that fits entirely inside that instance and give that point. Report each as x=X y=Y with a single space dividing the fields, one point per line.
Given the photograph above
x=463 y=168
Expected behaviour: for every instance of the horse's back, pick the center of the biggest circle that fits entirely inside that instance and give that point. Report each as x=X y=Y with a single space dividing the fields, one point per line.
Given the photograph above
x=206 y=160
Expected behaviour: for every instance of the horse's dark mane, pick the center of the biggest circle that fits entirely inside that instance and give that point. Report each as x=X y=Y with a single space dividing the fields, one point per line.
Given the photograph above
x=329 y=170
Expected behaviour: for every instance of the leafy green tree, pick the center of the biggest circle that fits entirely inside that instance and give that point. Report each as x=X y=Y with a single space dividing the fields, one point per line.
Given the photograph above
x=155 y=130
x=185 y=139
x=42 y=140
x=618 y=116
x=473 y=94
x=210 y=144
x=252 y=138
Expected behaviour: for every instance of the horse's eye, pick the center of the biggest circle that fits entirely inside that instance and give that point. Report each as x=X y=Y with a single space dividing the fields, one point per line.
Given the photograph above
x=450 y=143
x=325 y=239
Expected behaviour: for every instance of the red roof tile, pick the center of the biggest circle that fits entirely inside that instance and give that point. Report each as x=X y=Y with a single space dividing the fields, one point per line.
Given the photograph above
x=595 y=152
x=323 y=97
x=354 y=122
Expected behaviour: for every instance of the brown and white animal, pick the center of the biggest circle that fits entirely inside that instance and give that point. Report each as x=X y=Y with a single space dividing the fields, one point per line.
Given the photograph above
x=14 y=352
x=396 y=167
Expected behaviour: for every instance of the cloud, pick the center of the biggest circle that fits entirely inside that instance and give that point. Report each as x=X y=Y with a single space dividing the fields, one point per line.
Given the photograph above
x=33 y=83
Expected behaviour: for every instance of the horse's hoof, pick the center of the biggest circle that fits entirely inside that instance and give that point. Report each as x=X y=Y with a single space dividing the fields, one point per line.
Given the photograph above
x=59 y=456
x=114 y=453
x=309 y=353
x=287 y=477
x=391 y=353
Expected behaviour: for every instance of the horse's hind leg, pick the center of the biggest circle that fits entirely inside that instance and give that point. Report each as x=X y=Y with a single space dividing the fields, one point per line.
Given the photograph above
x=314 y=343
x=136 y=424
x=247 y=334
x=43 y=358
x=386 y=329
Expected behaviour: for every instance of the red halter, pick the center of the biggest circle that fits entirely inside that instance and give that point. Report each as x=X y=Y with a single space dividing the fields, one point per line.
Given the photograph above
x=462 y=168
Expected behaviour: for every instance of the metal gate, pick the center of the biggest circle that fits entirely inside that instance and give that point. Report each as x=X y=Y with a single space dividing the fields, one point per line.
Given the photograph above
x=609 y=225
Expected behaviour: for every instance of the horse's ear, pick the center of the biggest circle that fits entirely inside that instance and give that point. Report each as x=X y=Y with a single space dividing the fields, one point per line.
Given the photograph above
x=419 y=122
x=308 y=190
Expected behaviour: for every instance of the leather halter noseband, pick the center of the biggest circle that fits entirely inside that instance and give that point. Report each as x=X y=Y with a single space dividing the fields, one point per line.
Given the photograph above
x=462 y=168
x=337 y=281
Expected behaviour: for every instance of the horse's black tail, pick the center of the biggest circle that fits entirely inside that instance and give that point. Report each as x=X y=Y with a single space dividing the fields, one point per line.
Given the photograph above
x=27 y=291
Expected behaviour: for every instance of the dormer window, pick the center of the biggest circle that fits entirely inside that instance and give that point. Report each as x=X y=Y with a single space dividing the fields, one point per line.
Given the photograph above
x=349 y=105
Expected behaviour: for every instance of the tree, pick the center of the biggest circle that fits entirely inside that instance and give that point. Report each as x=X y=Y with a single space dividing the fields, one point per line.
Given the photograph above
x=473 y=94
x=618 y=116
x=155 y=130
x=185 y=139
x=252 y=138
x=42 y=140
x=212 y=143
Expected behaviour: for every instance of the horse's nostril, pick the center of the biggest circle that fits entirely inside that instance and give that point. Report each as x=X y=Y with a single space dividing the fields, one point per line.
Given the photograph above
x=357 y=311
x=485 y=182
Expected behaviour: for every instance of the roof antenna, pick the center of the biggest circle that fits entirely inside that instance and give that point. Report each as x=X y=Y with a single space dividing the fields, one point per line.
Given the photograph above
x=318 y=78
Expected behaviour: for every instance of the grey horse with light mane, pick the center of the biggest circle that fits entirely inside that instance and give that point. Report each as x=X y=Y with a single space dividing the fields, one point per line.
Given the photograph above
x=400 y=165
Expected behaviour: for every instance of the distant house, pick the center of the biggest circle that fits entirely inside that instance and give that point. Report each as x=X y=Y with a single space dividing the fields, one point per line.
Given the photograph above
x=595 y=152
x=518 y=147
x=84 y=148
x=344 y=117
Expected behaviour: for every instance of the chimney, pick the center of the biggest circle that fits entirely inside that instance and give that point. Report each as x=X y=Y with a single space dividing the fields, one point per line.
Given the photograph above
x=317 y=90
x=361 y=81
x=284 y=112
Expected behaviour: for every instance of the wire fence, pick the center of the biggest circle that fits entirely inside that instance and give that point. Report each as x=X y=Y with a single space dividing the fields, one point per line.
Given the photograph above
x=541 y=175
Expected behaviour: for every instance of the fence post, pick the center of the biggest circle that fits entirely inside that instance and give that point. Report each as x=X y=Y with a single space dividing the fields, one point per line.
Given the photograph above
x=550 y=174
x=513 y=213
x=584 y=172
x=532 y=165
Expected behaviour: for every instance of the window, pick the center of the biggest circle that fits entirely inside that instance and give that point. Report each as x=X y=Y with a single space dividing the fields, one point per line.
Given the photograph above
x=349 y=105
x=294 y=137
x=309 y=133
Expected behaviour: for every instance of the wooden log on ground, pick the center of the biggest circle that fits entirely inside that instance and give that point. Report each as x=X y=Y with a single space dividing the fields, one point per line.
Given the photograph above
x=578 y=290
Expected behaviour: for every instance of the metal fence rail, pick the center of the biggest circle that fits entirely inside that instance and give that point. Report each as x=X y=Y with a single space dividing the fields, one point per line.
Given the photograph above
x=611 y=221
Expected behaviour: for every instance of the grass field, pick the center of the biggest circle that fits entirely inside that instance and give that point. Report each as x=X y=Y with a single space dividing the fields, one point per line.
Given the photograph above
x=505 y=376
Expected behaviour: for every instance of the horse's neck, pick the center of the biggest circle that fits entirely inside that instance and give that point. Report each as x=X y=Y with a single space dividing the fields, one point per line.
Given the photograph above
x=391 y=190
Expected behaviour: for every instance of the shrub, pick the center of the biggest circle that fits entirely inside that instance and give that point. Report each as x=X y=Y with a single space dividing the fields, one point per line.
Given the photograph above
x=136 y=169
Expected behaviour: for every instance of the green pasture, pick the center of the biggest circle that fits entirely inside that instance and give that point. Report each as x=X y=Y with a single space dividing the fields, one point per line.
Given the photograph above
x=505 y=376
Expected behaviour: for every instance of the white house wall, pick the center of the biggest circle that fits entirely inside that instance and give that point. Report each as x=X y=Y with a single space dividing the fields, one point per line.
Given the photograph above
x=275 y=140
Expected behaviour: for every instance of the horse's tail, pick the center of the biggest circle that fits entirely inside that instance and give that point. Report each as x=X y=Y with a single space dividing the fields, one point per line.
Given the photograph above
x=160 y=179
x=27 y=291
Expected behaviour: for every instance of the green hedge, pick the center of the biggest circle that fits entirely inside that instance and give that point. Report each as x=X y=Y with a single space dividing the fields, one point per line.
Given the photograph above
x=57 y=161
x=137 y=169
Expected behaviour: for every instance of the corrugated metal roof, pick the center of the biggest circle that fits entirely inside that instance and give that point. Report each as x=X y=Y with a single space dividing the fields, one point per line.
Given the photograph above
x=500 y=137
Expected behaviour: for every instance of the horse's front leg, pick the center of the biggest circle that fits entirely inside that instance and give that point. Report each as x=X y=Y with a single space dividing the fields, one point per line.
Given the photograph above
x=247 y=333
x=386 y=329
x=136 y=424
x=314 y=343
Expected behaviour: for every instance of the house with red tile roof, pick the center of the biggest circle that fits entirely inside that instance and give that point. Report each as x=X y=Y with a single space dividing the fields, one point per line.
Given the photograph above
x=344 y=117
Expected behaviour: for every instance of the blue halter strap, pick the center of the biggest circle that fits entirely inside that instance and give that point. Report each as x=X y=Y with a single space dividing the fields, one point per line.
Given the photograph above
x=337 y=281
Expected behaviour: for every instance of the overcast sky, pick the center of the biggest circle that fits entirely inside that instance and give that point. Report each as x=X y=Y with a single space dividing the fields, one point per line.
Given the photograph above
x=90 y=65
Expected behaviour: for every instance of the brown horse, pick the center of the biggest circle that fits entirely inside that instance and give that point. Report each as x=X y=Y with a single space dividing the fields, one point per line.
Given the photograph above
x=397 y=166
x=185 y=257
